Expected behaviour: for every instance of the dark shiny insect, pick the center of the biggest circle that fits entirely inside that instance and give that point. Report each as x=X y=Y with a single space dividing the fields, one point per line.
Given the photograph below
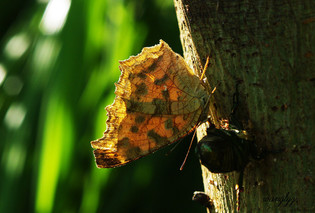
x=224 y=151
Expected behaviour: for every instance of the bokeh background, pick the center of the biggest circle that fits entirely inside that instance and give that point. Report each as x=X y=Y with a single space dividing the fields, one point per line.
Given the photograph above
x=58 y=64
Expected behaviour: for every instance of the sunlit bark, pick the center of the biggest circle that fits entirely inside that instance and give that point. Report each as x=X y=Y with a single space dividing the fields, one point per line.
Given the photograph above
x=267 y=47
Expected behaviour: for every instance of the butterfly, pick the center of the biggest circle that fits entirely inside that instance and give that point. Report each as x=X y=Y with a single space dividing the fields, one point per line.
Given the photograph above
x=158 y=101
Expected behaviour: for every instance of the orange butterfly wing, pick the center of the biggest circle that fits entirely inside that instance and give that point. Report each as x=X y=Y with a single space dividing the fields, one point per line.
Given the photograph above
x=158 y=101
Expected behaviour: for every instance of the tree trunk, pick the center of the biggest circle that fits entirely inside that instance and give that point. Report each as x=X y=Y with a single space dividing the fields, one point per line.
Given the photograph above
x=268 y=47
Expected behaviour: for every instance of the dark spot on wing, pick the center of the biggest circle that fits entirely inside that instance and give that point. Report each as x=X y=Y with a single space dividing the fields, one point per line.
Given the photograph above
x=141 y=89
x=142 y=75
x=139 y=119
x=134 y=129
x=133 y=106
x=168 y=124
x=151 y=68
x=157 y=138
x=161 y=80
x=123 y=143
x=131 y=76
x=161 y=107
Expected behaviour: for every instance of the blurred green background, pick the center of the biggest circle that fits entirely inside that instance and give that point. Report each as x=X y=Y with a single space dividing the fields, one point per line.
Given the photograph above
x=58 y=64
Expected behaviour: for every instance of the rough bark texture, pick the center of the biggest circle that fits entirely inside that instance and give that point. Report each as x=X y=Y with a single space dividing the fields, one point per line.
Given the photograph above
x=269 y=47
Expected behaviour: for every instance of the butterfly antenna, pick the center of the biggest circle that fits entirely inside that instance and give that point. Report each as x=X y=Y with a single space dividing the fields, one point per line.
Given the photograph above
x=214 y=89
x=205 y=68
x=192 y=139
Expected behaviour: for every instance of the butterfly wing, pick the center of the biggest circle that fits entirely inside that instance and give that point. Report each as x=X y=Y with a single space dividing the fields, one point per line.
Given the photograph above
x=158 y=101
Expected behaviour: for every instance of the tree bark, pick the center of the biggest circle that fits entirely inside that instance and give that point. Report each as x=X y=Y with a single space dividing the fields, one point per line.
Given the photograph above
x=268 y=47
